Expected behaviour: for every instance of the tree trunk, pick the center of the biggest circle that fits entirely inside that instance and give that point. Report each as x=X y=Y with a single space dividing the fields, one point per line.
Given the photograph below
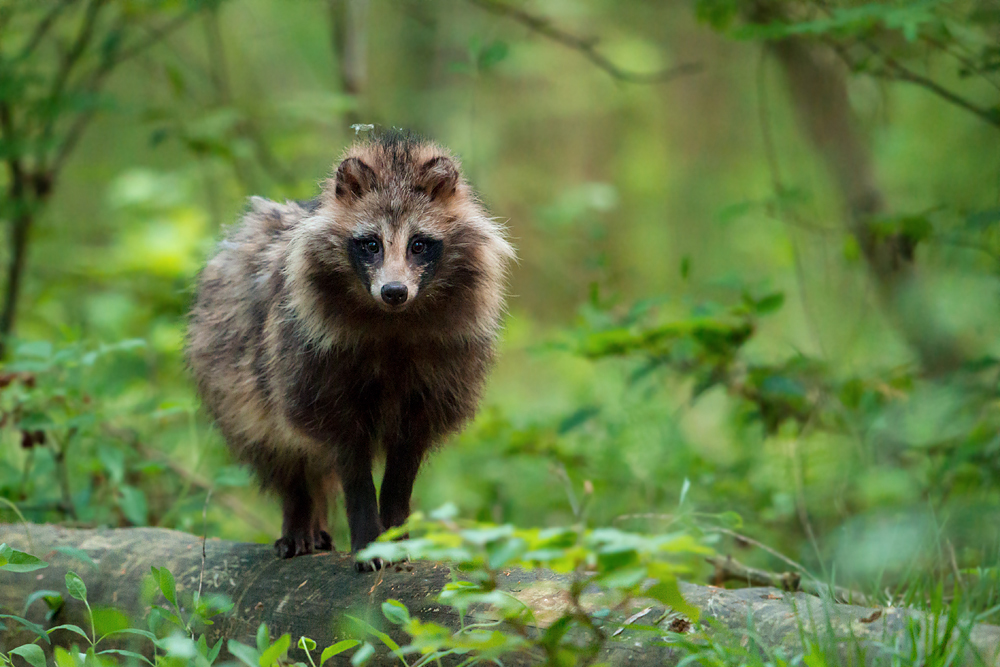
x=305 y=595
x=818 y=90
x=15 y=271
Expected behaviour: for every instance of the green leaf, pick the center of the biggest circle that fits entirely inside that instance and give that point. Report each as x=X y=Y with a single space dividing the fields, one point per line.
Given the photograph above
x=770 y=303
x=213 y=653
x=72 y=628
x=983 y=219
x=39 y=349
x=276 y=650
x=248 y=655
x=76 y=587
x=368 y=628
x=37 y=629
x=53 y=599
x=306 y=644
x=669 y=593
x=130 y=654
x=337 y=649
x=492 y=55
x=363 y=654
x=78 y=554
x=133 y=631
x=395 y=611
x=263 y=637
x=33 y=653
x=165 y=580
x=108 y=620
x=13 y=560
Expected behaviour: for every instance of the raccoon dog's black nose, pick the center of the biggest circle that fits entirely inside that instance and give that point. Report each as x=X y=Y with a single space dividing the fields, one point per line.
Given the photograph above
x=394 y=293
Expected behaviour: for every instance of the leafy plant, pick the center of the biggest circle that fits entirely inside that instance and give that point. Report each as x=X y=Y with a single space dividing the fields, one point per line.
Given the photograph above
x=606 y=570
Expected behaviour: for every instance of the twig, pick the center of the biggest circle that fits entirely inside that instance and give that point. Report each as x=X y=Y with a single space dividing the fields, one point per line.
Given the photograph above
x=892 y=69
x=729 y=569
x=66 y=65
x=43 y=28
x=60 y=460
x=585 y=46
x=902 y=73
x=204 y=537
x=75 y=132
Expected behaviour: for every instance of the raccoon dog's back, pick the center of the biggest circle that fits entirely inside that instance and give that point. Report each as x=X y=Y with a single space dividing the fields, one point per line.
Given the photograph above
x=363 y=322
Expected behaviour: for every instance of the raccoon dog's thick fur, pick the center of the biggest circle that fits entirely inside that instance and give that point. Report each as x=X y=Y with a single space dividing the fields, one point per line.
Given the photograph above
x=359 y=324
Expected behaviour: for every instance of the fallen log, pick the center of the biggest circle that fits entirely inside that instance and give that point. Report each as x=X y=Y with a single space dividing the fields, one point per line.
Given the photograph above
x=306 y=595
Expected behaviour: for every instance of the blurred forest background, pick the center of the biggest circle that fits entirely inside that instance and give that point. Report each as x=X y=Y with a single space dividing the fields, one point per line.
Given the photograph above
x=759 y=267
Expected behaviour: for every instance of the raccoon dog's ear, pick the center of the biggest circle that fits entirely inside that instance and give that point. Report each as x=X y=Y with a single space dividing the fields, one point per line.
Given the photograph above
x=354 y=178
x=438 y=178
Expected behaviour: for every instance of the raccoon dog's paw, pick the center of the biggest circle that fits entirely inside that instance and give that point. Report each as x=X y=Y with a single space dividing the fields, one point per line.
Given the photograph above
x=289 y=546
x=322 y=541
x=373 y=565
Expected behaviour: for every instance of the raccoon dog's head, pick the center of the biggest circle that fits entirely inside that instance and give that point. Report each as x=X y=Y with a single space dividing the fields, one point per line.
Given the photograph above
x=400 y=223
x=399 y=232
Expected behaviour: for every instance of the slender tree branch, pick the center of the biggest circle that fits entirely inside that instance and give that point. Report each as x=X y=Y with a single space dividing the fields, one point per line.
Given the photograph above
x=20 y=219
x=154 y=36
x=111 y=61
x=729 y=569
x=587 y=47
x=43 y=28
x=66 y=65
x=899 y=72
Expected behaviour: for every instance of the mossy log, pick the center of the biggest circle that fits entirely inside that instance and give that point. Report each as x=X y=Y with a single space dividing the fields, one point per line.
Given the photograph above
x=306 y=595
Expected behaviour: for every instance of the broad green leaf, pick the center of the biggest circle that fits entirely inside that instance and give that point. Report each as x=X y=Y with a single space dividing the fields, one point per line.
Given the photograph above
x=64 y=658
x=76 y=587
x=53 y=599
x=33 y=653
x=368 y=628
x=78 y=554
x=337 y=649
x=130 y=654
x=306 y=644
x=669 y=593
x=395 y=611
x=34 y=627
x=770 y=303
x=108 y=620
x=271 y=654
x=363 y=655
x=133 y=631
x=263 y=637
x=165 y=579
x=13 y=560
x=248 y=655
x=71 y=628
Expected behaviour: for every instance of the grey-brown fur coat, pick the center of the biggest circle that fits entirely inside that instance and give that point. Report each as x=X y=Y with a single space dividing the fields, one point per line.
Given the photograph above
x=312 y=365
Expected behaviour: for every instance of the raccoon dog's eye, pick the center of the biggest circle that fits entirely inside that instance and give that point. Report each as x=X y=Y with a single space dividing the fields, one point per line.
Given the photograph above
x=418 y=247
x=371 y=246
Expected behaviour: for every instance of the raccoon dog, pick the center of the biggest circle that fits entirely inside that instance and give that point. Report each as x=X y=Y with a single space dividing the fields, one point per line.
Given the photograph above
x=359 y=324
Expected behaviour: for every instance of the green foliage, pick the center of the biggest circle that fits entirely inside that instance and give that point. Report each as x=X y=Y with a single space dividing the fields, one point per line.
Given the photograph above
x=735 y=352
x=13 y=560
x=606 y=569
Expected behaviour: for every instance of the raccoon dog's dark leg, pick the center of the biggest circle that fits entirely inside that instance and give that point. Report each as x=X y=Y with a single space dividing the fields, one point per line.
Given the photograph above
x=321 y=535
x=355 y=471
x=403 y=457
x=303 y=514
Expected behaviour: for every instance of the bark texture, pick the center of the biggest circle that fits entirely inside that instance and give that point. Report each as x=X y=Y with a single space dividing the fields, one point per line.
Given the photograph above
x=305 y=596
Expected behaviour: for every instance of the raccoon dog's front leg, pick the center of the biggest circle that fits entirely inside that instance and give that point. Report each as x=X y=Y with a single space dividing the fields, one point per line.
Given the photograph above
x=303 y=515
x=404 y=455
x=355 y=470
